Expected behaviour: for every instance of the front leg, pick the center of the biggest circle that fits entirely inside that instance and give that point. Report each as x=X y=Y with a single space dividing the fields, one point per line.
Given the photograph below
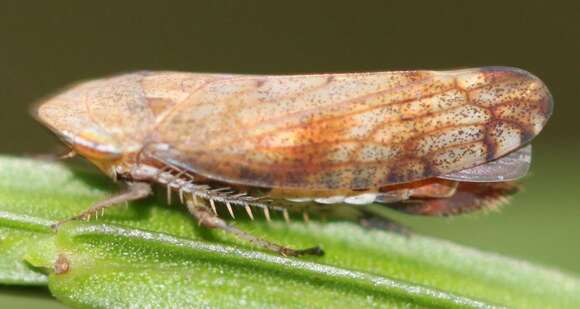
x=209 y=219
x=135 y=191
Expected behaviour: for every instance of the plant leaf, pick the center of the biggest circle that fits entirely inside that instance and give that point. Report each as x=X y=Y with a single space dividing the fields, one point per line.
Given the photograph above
x=152 y=255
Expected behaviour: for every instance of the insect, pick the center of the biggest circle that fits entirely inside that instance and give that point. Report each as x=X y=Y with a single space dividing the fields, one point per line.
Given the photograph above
x=423 y=142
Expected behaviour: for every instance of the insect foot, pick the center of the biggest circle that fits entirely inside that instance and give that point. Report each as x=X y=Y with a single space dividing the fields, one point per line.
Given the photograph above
x=316 y=251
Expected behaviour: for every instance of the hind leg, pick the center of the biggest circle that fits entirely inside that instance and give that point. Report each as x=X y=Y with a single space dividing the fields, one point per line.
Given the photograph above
x=209 y=219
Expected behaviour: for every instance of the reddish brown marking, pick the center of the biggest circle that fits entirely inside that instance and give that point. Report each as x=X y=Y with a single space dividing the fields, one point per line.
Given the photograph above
x=315 y=122
x=490 y=143
x=434 y=188
x=159 y=105
x=469 y=197
x=424 y=189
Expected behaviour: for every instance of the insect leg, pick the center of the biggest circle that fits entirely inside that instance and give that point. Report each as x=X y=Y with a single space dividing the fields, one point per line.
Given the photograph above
x=135 y=191
x=371 y=220
x=209 y=219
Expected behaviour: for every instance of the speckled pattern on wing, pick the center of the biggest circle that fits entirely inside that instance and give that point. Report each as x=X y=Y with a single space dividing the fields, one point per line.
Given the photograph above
x=353 y=131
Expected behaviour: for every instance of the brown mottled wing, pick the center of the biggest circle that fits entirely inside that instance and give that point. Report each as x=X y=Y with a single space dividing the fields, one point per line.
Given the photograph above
x=351 y=131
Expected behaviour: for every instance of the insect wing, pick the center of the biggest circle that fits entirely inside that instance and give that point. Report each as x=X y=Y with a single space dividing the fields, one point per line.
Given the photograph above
x=351 y=131
x=507 y=168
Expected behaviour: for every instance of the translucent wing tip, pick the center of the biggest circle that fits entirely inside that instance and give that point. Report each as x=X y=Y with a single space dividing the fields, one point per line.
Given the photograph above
x=507 y=168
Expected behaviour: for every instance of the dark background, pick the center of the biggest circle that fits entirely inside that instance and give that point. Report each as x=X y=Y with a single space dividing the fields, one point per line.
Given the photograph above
x=44 y=45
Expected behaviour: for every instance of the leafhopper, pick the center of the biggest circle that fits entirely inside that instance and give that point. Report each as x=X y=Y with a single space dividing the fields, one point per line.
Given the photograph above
x=423 y=142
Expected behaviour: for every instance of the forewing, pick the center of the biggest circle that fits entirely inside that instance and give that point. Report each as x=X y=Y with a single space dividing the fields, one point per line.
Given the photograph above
x=351 y=131
x=510 y=167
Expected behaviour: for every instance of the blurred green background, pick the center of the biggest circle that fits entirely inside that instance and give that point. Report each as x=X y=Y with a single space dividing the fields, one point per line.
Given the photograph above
x=45 y=45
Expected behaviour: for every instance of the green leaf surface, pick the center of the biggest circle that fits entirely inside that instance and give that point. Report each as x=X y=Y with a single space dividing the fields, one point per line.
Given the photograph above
x=154 y=255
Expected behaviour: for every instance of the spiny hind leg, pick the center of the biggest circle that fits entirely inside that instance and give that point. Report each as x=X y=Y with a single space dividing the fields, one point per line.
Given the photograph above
x=209 y=219
x=134 y=191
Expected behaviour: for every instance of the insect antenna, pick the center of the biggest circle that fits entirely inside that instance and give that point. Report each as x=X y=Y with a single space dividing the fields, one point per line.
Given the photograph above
x=70 y=153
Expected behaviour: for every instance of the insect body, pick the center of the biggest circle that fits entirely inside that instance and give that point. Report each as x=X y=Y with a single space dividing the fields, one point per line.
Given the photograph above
x=447 y=142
